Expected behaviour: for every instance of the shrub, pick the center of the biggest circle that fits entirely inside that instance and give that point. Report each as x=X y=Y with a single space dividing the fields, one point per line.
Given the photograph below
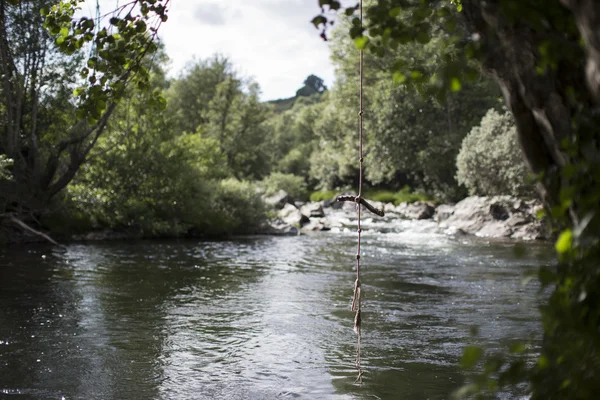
x=490 y=160
x=296 y=162
x=294 y=185
x=237 y=208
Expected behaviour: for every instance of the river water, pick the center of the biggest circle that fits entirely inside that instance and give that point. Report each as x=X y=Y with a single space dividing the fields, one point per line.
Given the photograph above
x=259 y=317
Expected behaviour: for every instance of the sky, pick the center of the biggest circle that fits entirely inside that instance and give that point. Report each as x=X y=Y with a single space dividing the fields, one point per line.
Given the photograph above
x=272 y=41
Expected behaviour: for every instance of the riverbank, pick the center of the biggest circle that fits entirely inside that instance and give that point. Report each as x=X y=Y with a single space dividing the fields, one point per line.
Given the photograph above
x=492 y=217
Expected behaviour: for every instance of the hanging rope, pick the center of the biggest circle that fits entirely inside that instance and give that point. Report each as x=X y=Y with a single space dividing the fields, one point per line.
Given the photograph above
x=359 y=201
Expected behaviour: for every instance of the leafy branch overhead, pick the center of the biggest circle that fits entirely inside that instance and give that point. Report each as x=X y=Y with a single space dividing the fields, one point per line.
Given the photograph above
x=117 y=42
x=388 y=25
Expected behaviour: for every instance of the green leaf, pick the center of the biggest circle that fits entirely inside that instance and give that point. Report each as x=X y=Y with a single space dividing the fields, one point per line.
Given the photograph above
x=546 y=276
x=416 y=74
x=361 y=42
x=455 y=84
x=318 y=20
x=471 y=355
x=540 y=214
x=517 y=348
x=394 y=12
x=564 y=243
x=450 y=25
x=399 y=77
x=422 y=37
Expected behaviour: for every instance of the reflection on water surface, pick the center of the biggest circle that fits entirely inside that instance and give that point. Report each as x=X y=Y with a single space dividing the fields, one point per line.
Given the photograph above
x=256 y=317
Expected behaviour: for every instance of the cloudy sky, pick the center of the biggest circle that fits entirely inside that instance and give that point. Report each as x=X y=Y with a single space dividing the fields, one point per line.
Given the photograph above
x=270 y=40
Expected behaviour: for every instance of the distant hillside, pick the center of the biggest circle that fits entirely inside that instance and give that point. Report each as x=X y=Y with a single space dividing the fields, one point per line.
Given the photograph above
x=282 y=105
x=313 y=85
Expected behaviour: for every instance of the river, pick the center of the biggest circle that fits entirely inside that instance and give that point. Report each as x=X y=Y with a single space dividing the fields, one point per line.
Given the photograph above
x=259 y=317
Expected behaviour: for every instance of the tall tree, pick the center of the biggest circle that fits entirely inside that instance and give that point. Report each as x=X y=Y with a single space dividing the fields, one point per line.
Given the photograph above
x=211 y=100
x=411 y=138
x=46 y=56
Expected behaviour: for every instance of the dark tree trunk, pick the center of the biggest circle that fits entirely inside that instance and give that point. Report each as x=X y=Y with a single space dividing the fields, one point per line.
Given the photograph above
x=541 y=101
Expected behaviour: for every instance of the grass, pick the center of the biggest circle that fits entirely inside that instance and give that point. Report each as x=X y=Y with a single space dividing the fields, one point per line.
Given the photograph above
x=404 y=195
x=323 y=195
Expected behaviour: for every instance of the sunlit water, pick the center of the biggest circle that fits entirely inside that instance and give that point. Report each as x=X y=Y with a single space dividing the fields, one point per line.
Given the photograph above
x=258 y=317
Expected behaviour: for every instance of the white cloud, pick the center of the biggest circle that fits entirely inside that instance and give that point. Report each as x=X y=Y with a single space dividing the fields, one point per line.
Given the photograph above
x=270 y=40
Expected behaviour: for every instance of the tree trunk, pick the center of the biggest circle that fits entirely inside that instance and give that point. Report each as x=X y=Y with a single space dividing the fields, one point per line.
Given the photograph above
x=540 y=100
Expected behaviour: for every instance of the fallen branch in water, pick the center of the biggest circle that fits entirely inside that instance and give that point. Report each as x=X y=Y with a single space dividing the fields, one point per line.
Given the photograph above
x=362 y=201
x=26 y=227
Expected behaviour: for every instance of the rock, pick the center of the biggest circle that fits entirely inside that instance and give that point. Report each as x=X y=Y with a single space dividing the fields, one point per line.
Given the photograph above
x=344 y=205
x=377 y=204
x=279 y=200
x=452 y=231
x=443 y=212
x=279 y=228
x=495 y=229
x=316 y=225
x=531 y=231
x=389 y=208
x=497 y=216
x=292 y=216
x=499 y=212
x=417 y=210
x=516 y=220
x=327 y=203
x=312 y=210
x=348 y=206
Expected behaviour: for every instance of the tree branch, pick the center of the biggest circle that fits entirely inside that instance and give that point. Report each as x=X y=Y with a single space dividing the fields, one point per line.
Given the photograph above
x=26 y=227
x=362 y=201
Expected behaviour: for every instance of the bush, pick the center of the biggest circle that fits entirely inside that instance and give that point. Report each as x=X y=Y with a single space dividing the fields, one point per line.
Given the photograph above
x=171 y=193
x=237 y=208
x=294 y=185
x=296 y=161
x=490 y=160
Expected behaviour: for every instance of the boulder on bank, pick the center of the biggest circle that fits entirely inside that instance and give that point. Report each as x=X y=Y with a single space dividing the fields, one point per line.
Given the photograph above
x=292 y=216
x=416 y=210
x=312 y=210
x=443 y=212
x=280 y=228
x=279 y=199
x=317 y=225
x=497 y=216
